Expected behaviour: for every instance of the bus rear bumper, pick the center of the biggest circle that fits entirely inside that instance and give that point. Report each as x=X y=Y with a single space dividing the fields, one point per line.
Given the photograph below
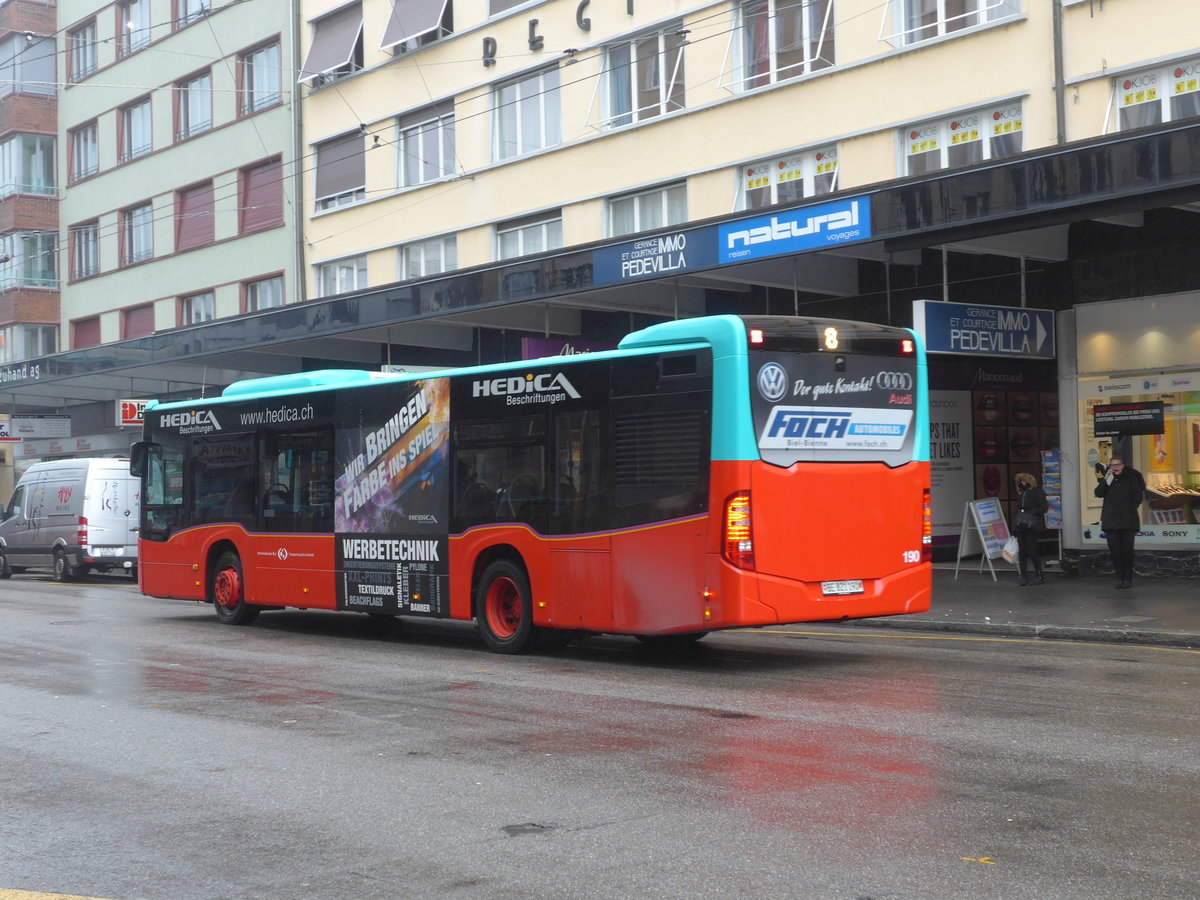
x=755 y=599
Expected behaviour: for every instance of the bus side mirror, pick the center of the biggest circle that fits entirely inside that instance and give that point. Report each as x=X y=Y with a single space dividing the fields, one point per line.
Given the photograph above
x=139 y=453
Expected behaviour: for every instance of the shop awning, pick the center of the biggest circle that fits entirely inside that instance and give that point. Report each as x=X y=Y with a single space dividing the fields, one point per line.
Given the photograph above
x=334 y=37
x=410 y=19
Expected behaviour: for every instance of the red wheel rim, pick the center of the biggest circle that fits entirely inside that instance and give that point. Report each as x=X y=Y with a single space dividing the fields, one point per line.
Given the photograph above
x=228 y=588
x=503 y=608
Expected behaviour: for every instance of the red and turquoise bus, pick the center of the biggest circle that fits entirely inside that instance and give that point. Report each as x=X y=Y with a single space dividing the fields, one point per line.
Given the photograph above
x=709 y=473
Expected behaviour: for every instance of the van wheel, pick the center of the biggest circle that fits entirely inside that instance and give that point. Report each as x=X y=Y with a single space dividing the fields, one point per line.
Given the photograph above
x=63 y=570
x=504 y=608
x=228 y=593
x=6 y=571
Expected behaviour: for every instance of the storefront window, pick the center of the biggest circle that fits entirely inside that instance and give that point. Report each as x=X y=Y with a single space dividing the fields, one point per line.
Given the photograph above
x=1152 y=422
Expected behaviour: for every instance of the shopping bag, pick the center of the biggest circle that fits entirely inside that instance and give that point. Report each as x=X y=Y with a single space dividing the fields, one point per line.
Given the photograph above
x=1011 y=550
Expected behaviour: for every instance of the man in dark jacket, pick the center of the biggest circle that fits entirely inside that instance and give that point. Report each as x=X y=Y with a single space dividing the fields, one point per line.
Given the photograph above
x=1123 y=489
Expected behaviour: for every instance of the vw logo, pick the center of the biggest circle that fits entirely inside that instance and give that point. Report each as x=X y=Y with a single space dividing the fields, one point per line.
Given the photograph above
x=894 y=381
x=772 y=382
x=282 y=553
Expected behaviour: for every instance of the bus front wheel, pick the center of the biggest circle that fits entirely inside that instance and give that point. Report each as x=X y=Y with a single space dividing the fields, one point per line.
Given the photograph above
x=504 y=608
x=228 y=592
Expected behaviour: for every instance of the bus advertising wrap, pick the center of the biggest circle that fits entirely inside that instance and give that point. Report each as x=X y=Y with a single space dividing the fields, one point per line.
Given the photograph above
x=392 y=499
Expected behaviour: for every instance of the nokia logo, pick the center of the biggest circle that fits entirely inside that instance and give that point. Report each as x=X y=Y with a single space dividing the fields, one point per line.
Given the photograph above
x=204 y=418
x=772 y=382
x=544 y=383
x=783 y=228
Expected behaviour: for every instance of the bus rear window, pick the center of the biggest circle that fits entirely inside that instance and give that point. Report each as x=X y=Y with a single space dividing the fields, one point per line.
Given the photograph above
x=833 y=407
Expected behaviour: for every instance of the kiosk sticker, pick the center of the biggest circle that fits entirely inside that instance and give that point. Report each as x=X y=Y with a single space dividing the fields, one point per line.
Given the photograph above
x=391 y=505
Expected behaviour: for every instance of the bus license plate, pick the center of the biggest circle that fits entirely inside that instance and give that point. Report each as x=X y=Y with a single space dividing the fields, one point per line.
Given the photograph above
x=108 y=551
x=830 y=588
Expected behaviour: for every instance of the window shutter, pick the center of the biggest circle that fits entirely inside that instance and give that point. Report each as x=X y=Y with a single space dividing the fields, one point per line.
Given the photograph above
x=194 y=217
x=87 y=332
x=137 y=321
x=262 y=196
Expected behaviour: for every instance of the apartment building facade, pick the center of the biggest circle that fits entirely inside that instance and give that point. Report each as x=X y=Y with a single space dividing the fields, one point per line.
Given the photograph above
x=176 y=137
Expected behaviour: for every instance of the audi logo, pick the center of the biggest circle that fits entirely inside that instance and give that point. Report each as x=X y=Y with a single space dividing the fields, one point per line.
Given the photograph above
x=894 y=381
x=772 y=382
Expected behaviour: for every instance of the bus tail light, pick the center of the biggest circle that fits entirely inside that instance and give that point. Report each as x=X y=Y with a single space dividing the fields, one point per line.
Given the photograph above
x=926 y=528
x=82 y=537
x=739 y=538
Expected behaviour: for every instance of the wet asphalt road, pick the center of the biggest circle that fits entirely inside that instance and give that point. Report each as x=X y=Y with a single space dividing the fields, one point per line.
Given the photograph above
x=148 y=752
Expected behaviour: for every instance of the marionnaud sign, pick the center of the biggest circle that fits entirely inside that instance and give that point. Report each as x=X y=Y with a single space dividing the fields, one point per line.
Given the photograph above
x=796 y=230
x=657 y=256
x=973 y=329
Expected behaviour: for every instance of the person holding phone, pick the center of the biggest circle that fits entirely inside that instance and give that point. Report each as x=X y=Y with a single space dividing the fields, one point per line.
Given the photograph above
x=1122 y=489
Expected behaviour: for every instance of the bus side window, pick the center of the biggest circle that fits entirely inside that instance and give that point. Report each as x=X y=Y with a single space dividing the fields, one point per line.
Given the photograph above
x=578 y=490
x=297 y=486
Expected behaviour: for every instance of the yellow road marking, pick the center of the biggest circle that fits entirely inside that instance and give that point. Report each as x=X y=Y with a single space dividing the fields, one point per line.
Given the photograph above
x=986 y=860
x=1043 y=642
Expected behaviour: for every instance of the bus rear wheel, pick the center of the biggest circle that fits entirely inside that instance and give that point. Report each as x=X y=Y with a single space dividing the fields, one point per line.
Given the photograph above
x=228 y=592
x=504 y=608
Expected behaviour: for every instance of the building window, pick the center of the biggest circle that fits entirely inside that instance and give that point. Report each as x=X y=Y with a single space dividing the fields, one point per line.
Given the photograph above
x=29 y=259
x=137 y=234
x=133 y=26
x=191 y=10
x=425 y=258
x=341 y=175
x=1158 y=95
x=85 y=332
x=785 y=179
x=782 y=39
x=137 y=321
x=969 y=138
x=534 y=234
x=645 y=76
x=261 y=196
x=18 y=342
x=266 y=293
x=412 y=25
x=197 y=308
x=528 y=114
x=81 y=43
x=337 y=46
x=85 y=152
x=85 y=249
x=424 y=147
x=194 y=216
x=260 y=79
x=135 y=130
x=920 y=20
x=27 y=65
x=341 y=276
x=646 y=210
x=27 y=165
x=194 y=106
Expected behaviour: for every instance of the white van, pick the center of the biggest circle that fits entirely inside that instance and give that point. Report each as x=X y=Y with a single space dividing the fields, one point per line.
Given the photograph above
x=71 y=515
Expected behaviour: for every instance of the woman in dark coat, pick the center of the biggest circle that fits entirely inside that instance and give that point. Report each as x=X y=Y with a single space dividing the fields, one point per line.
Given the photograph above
x=1123 y=489
x=1033 y=501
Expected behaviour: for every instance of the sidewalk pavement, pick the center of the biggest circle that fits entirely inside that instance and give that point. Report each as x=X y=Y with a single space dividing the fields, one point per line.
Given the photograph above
x=1158 y=611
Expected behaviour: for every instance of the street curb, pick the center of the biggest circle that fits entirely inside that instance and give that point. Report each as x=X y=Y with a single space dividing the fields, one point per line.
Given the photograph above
x=1047 y=632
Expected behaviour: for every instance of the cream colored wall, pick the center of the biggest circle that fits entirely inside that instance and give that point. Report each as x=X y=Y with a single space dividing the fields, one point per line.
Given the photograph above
x=861 y=105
